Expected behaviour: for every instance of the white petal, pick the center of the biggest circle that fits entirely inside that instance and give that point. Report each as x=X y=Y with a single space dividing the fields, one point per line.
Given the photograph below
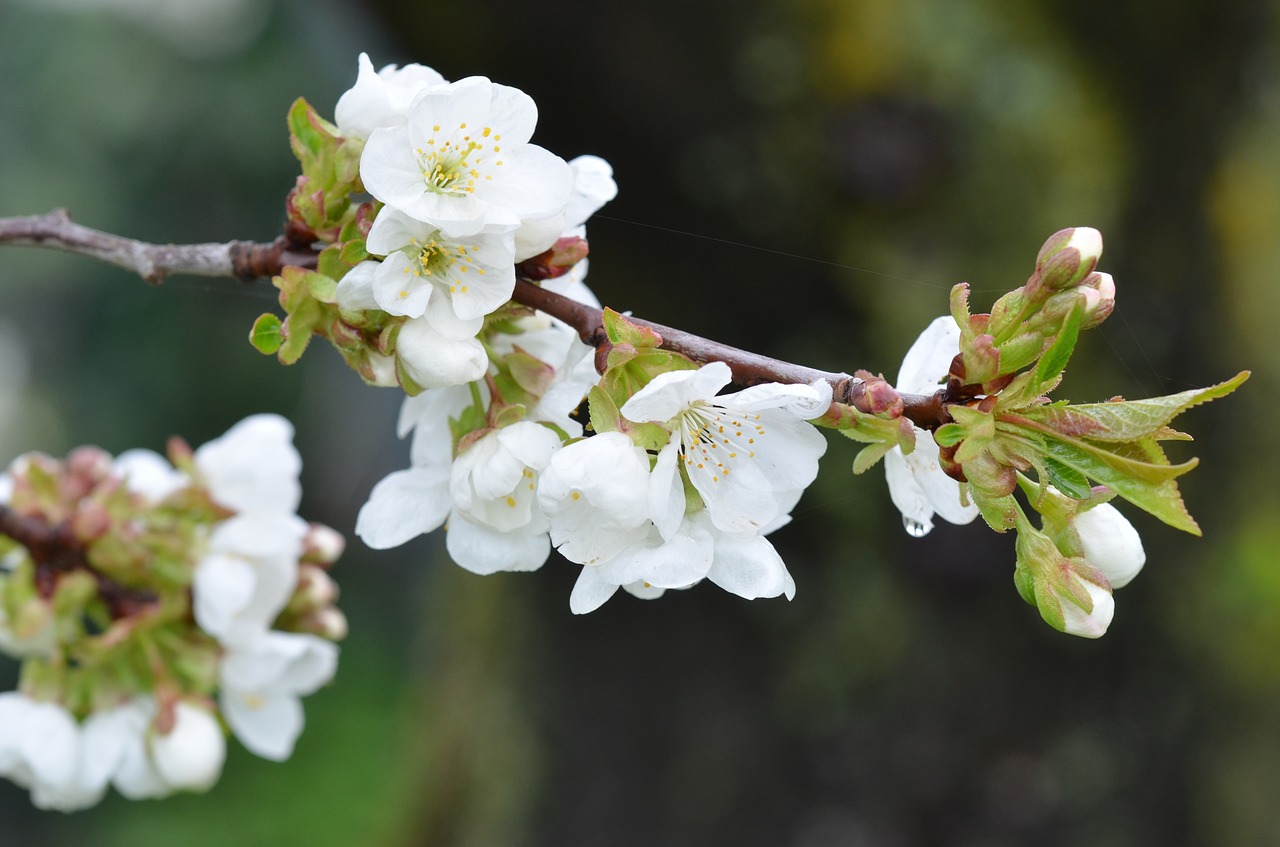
x=398 y=290
x=926 y=364
x=483 y=550
x=1089 y=624
x=942 y=491
x=190 y=756
x=593 y=186
x=749 y=566
x=404 y=505
x=677 y=563
x=666 y=491
x=670 y=393
x=434 y=361
x=268 y=726
x=355 y=289
x=590 y=591
x=1111 y=544
x=148 y=473
x=907 y=493
x=254 y=466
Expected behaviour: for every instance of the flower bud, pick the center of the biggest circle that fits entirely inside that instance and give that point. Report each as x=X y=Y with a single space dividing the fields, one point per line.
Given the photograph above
x=316 y=590
x=1067 y=257
x=322 y=545
x=328 y=623
x=1110 y=543
x=880 y=398
x=1101 y=307
x=557 y=261
x=190 y=755
x=1091 y=623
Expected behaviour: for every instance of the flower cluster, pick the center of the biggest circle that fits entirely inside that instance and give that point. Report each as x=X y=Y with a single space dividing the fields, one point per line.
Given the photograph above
x=1092 y=548
x=151 y=600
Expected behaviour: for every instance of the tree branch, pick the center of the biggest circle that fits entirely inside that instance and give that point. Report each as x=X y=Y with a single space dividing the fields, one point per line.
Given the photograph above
x=56 y=550
x=247 y=260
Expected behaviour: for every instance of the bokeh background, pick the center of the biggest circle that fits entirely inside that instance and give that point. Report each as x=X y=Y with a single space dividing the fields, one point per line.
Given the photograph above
x=802 y=177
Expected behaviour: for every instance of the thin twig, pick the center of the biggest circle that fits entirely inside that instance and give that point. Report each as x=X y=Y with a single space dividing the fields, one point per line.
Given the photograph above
x=247 y=260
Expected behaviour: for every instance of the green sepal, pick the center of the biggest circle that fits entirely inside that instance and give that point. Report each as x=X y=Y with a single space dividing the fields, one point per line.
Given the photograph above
x=605 y=417
x=1020 y=351
x=1025 y=583
x=1055 y=359
x=622 y=330
x=949 y=435
x=529 y=372
x=332 y=264
x=407 y=382
x=351 y=253
x=469 y=420
x=602 y=411
x=312 y=138
x=267 y=334
x=960 y=312
x=1000 y=513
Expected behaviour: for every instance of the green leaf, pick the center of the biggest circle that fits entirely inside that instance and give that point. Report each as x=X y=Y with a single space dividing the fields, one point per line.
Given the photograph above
x=1059 y=353
x=322 y=287
x=1067 y=480
x=266 y=335
x=1149 y=486
x=1128 y=420
x=868 y=456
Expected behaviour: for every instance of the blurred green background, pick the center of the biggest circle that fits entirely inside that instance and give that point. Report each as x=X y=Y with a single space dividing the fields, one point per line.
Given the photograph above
x=803 y=177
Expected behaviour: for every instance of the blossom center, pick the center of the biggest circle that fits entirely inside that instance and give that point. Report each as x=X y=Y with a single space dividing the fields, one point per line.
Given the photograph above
x=712 y=438
x=441 y=260
x=453 y=166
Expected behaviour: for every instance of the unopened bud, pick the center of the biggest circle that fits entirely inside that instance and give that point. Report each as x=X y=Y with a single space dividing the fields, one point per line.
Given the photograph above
x=90 y=521
x=1067 y=257
x=322 y=545
x=328 y=623
x=85 y=468
x=880 y=398
x=316 y=589
x=1104 y=303
x=557 y=261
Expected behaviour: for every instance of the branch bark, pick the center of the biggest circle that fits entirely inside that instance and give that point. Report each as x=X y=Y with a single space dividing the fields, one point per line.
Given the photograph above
x=247 y=260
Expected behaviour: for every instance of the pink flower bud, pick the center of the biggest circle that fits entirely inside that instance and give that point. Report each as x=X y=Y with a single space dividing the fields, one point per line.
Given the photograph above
x=322 y=545
x=1104 y=303
x=1067 y=257
x=557 y=261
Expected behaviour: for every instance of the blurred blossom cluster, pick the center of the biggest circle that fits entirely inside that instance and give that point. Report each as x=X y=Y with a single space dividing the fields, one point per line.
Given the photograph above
x=153 y=601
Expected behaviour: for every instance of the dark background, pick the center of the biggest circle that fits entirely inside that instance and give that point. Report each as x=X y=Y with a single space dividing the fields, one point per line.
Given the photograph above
x=806 y=179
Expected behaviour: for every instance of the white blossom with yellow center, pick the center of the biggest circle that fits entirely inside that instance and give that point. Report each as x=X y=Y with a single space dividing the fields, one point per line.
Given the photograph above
x=475 y=274
x=464 y=162
x=746 y=453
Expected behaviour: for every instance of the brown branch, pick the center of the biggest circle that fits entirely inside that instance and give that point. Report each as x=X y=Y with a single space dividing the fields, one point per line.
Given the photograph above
x=56 y=550
x=247 y=260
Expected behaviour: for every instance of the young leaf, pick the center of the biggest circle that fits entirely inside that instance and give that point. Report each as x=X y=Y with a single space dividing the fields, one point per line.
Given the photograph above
x=1056 y=357
x=266 y=335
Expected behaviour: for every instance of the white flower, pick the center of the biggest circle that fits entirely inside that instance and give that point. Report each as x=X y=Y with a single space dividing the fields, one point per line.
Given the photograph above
x=381 y=98
x=1091 y=624
x=476 y=274
x=1110 y=543
x=917 y=484
x=39 y=748
x=416 y=500
x=262 y=682
x=593 y=186
x=463 y=161
x=741 y=451
x=248 y=574
x=439 y=349
x=254 y=466
x=596 y=493
x=190 y=756
x=148 y=473
x=496 y=523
